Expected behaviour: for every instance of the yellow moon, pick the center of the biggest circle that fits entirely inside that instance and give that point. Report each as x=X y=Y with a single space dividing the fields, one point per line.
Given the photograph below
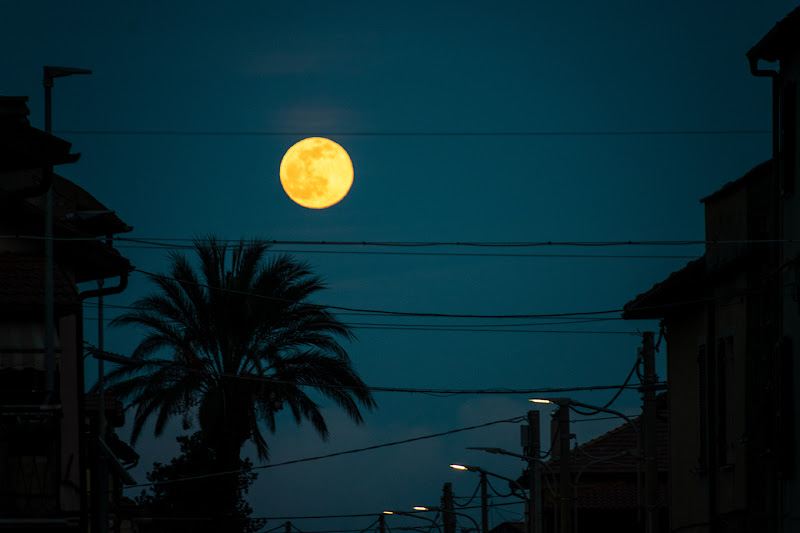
x=316 y=173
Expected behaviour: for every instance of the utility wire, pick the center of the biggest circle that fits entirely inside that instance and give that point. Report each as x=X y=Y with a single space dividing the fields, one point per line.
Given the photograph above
x=377 y=311
x=192 y=243
x=317 y=517
x=465 y=326
x=467 y=329
x=336 y=454
x=471 y=498
x=116 y=358
x=582 y=314
x=440 y=133
x=120 y=359
x=435 y=254
x=624 y=385
x=178 y=242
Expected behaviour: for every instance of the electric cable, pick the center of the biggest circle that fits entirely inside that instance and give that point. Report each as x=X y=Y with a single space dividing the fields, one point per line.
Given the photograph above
x=471 y=498
x=614 y=398
x=498 y=493
x=274 y=528
x=411 y=133
x=168 y=243
x=378 y=311
x=370 y=526
x=116 y=358
x=328 y=456
x=318 y=517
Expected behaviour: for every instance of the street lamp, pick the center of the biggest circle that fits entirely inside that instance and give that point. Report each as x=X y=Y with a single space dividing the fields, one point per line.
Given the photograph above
x=441 y=510
x=564 y=405
x=568 y=402
x=534 y=493
x=401 y=513
x=482 y=471
x=484 y=503
x=47 y=179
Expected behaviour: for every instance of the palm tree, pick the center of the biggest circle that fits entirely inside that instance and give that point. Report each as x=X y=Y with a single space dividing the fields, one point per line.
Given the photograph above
x=242 y=342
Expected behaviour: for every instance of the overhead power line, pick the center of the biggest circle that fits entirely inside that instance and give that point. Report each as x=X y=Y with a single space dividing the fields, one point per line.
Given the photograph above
x=121 y=359
x=190 y=243
x=324 y=517
x=168 y=243
x=382 y=311
x=459 y=328
x=441 y=133
x=335 y=454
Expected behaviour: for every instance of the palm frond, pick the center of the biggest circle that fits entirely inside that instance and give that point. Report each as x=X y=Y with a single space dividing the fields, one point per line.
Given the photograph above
x=232 y=341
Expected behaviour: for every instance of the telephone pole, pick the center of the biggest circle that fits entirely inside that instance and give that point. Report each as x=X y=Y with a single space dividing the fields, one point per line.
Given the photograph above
x=448 y=516
x=484 y=504
x=532 y=450
x=650 y=415
x=564 y=489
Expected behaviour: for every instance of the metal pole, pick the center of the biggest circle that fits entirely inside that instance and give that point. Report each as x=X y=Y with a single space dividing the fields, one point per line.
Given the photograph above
x=47 y=173
x=484 y=504
x=650 y=446
x=448 y=516
x=49 y=318
x=564 y=492
x=382 y=524
x=534 y=474
x=102 y=473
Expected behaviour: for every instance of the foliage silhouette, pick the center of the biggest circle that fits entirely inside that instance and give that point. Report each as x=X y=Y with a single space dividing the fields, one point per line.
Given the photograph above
x=192 y=506
x=243 y=342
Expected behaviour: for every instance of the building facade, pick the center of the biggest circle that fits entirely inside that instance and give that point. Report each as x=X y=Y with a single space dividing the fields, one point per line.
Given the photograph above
x=732 y=323
x=48 y=440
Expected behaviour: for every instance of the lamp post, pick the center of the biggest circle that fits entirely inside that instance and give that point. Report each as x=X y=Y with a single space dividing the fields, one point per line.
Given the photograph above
x=448 y=511
x=47 y=178
x=484 y=504
x=563 y=412
x=534 y=492
x=402 y=513
x=49 y=73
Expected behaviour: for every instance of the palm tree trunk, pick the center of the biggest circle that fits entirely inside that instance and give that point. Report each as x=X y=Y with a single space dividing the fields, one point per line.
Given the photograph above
x=228 y=438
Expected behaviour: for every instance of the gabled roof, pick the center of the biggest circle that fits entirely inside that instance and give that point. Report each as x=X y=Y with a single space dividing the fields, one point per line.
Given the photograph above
x=22 y=285
x=608 y=473
x=585 y=458
x=23 y=146
x=88 y=257
x=683 y=287
x=758 y=172
x=510 y=527
x=72 y=203
x=782 y=39
x=687 y=286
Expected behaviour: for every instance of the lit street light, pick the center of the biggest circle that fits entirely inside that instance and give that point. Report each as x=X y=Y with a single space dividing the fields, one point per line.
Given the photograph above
x=484 y=503
x=441 y=510
x=535 y=496
x=564 y=475
x=401 y=513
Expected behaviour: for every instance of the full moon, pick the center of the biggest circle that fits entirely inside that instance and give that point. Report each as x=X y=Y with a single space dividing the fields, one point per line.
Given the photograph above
x=316 y=173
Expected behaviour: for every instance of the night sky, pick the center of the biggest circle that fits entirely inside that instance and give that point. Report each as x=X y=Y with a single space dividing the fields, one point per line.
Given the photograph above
x=470 y=122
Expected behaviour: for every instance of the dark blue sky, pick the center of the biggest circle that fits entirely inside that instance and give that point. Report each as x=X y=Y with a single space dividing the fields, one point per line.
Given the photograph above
x=413 y=68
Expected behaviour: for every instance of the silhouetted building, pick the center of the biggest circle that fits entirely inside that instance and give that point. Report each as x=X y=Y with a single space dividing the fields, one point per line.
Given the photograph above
x=509 y=527
x=48 y=440
x=732 y=325
x=607 y=480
